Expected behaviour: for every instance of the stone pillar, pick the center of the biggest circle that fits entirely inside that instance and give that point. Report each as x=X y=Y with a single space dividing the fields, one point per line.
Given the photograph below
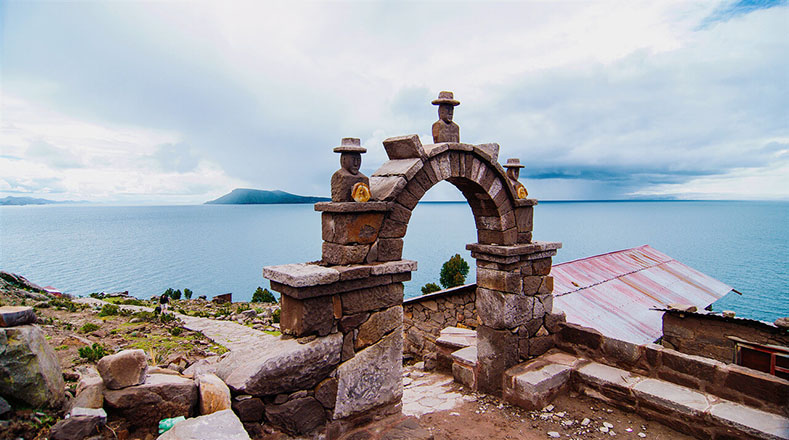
x=361 y=302
x=514 y=294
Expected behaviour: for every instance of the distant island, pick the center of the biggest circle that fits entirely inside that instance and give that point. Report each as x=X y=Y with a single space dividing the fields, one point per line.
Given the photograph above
x=21 y=201
x=245 y=196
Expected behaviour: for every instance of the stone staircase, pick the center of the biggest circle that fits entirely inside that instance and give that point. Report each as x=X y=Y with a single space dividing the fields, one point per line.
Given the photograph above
x=534 y=384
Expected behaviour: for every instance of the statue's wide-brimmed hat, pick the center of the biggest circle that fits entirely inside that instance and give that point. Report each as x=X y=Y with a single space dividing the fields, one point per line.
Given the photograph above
x=350 y=145
x=513 y=163
x=446 y=98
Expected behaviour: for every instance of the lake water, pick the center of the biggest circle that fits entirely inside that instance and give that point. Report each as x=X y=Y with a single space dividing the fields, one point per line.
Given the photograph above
x=215 y=249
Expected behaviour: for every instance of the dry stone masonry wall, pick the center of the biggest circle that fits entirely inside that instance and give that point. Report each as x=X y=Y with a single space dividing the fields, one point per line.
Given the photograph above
x=424 y=317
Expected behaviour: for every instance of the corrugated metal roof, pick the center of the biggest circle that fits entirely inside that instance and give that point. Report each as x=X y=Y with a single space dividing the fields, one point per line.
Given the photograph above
x=613 y=293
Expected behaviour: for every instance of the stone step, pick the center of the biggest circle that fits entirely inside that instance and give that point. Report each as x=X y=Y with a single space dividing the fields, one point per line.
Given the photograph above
x=449 y=341
x=533 y=384
x=464 y=366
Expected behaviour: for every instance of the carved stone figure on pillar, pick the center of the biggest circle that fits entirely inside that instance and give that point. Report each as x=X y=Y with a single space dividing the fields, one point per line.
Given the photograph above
x=513 y=167
x=444 y=130
x=347 y=183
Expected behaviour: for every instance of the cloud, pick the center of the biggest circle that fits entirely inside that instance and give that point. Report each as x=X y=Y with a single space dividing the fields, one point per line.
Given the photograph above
x=53 y=156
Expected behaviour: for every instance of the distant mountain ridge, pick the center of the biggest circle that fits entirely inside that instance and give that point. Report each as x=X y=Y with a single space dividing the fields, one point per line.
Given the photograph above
x=21 y=201
x=246 y=196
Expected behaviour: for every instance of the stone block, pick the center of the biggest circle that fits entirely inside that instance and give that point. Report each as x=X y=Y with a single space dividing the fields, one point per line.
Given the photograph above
x=553 y=320
x=668 y=397
x=490 y=152
x=393 y=229
x=750 y=421
x=524 y=237
x=524 y=218
x=465 y=374
x=538 y=345
x=338 y=254
x=770 y=389
x=123 y=369
x=77 y=427
x=351 y=228
x=161 y=396
x=400 y=213
x=326 y=393
x=406 y=168
x=407 y=199
x=334 y=288
x=541 y=266
x=508 y=237
x=282 y=366
x=350 y=322
x=298 y=416
x=219 y=425
x=31 y=371
x=90 y=390
x=622 y=352
x=302 y=317
x=579 y=335
x=534 y=385
x=366 y=300
x=612 y=383
x=378 y=325
x=546 y=286
x=497 y=350
x=436 y=149
x=543 y=305
x=503 y=310
x=214 y=394
x=12 y=316
x=347 y=346
x=404 y=147
x=248 y=408
x=696 y=366
x=372 y=378
x=503 y=281
x=301 y=275
x=386 y=188
x=390 y=249
x=353 y=206
x=393 y=267
x=531 y=284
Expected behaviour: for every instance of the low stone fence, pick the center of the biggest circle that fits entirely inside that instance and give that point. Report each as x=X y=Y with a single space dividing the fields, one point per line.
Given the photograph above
x=708 y=335
x=425 y=316
x=733 y=382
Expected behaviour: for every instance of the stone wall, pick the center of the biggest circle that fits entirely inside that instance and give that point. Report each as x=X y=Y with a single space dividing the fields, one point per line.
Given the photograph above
x=425 y=316
x=733 y=382
x=708 y=335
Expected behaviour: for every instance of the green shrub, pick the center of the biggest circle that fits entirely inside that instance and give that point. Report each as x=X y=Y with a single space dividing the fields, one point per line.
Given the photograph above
x=166 y=317
x=64 y=304
x=92 y=353
x=188 y=293
x=41 y=305
x=109 y=310
x=430 y=288
x=453 y=272
x=175 y=331
x=89 y=327
x=263 y=296
x=176 y=294
x=275 y=316
x=97 y=295
x=145 y=316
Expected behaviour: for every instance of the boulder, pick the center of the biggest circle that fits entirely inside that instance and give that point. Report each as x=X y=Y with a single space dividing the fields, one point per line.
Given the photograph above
x=80 y=424
x=161 y=396
x=202 y=366
x=123 y=369
x=282 y=366
x=214 y=394
x=371 y=378
x=12 y=316
x=782 y=323
x=297 y=416
x=30 y=369
x=221 y=425
x=90 y=390
x=248 y=408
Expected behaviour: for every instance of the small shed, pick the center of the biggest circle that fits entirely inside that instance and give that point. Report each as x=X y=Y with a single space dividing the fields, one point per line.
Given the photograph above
x=616 y=293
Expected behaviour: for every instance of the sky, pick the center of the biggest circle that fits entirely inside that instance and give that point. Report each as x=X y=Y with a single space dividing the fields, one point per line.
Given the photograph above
x=179 y=102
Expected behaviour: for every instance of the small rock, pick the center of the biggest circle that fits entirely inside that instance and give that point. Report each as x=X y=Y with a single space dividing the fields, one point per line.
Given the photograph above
x=78 y=427
x=642 y=435
x=214 y=394
x=124 y=369
x=604 y=429
x=548 y=408
x=585 y=421
x=608 y=425
x=420 y=365
x=629 y=430
x=612 y=433
x=561 y=414
x=782 y=322
x=221 y=424
x=553 y=434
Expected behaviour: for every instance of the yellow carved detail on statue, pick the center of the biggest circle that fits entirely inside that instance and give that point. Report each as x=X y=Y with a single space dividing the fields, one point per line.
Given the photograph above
x=522 y=193
x=360 y=192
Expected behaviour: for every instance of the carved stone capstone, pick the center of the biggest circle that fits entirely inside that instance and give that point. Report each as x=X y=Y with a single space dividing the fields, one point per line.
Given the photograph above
x=348 y=184
x=444 y=130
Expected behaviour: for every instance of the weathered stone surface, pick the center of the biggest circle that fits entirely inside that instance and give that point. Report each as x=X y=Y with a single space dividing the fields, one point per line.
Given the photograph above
x=302 y=317
x=503 y=281
x=533 y=385
x=351 y=228
x=77 y=427
x=214 y=394
x=283 y=366
x=207 y=365
x=379 y=324
x=12 y=316
x=406 y=168
x=372 y=378
x=31 y=371
x=524 y=218
x=124 y=369
x=248 y=408
x=539 y=345
x=339 y=254
x=750 y=421
x=386 y=188
x=670 y=397
x=90 y=390
x=365 y=300
x=5 y=407
x=390 y=249
x=770 y=389
x=301 y=275
x=513 y=250
x=298 y=416
x=541 y=266
x=350 y=322
x=161 y=396
x=221 y=425
x=503 y=310
x=782 y=323
x=497 y=350
x=352 y=206
x=553 y=320
x=576 y=334
x=488 y=151
x=393 y=229
x=543 y=305
x=392 y=267
x=404 y=147
x=607 y=378
x=326 y=393
x=621 y=351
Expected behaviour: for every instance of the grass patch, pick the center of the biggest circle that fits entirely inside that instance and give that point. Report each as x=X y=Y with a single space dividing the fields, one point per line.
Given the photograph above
x=92 y=353
x=89 y=327
x=126 y=301
x=273 y=332
x=109 y=310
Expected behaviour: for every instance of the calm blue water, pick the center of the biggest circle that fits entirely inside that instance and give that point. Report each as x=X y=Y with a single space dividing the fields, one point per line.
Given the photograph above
x=214 y=249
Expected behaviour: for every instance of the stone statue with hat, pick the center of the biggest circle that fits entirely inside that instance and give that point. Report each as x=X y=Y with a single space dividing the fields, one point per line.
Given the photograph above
x=347 y=183
x=444 y=130
x=513 y=167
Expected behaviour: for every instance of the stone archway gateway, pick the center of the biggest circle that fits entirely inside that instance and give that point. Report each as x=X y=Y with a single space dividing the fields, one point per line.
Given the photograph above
x=351 y=300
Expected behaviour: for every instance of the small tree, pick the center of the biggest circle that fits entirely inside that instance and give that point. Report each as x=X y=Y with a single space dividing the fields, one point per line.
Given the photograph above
x=169 y=292
x=453 y=272
x=430 y=288
x=188 y=293
x=263 y=296
x=176 y=294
